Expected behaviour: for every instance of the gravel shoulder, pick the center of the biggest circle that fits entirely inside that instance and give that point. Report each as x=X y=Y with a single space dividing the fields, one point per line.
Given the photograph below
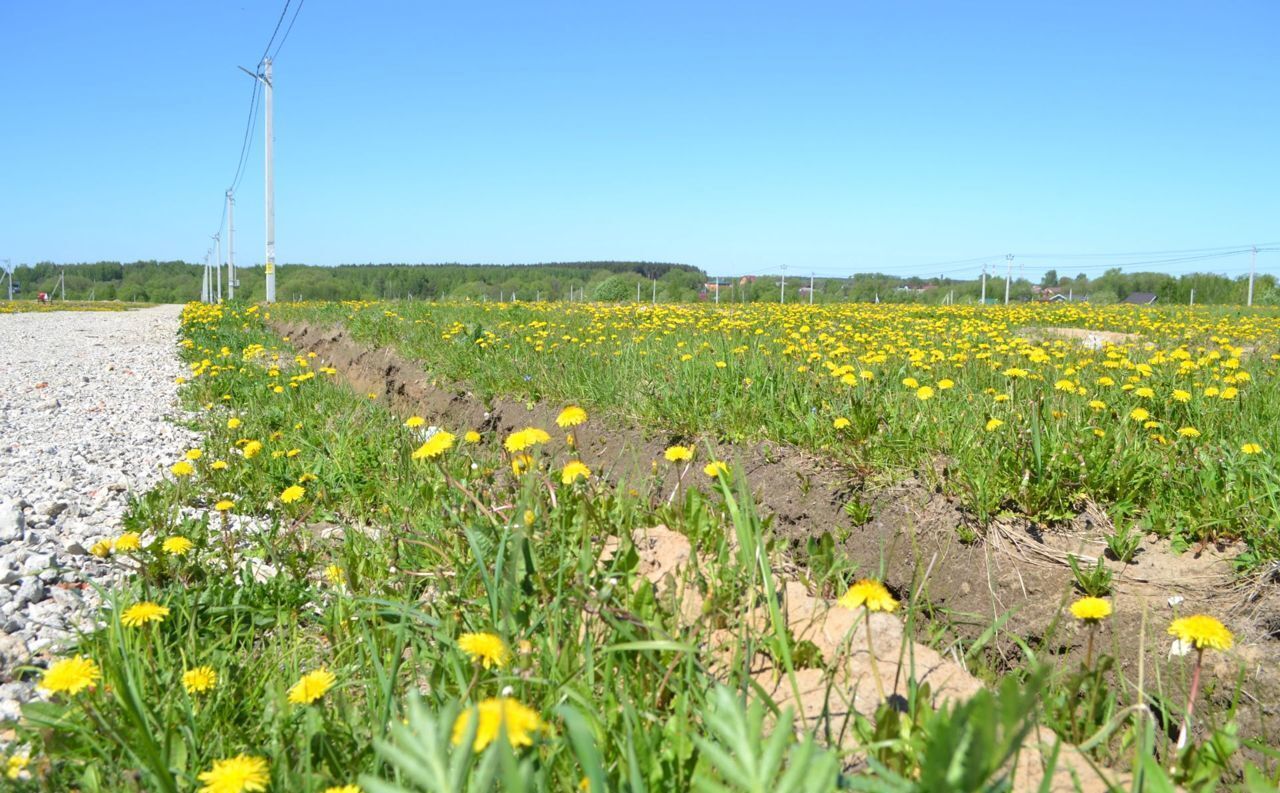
x=87 y=408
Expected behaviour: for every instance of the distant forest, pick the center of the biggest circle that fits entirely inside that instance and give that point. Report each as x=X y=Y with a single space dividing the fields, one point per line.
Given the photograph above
x=179 y=282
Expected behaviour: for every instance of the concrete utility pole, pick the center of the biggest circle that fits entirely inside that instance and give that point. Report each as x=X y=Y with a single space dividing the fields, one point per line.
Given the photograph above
x=637 y=291
x=984 y=284
x=1008 y=277
x=217 y=240
x=1192 y=302
x=264 y=77
x=8 y=268
x=717 y=290
x=811 y=289
x=204 y=282
x=782 y=287
x=62 y=284
x=655 y=291
x=1253 y=266
x=231 y=246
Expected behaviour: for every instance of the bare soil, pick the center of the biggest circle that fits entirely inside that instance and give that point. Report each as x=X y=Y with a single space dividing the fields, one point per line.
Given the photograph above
x=1015 y=570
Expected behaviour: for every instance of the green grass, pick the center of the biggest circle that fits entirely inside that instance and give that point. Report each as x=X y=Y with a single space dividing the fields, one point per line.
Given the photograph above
x=431 y=549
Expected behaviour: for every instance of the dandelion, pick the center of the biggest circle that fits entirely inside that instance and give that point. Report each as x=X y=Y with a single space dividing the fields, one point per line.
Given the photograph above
x=471 y=437
x=715 y=469
x=1188 y=432
x=17 y=764
x=334 y=575
x=574 y=471
x=224 y=505
x=436 y=445
x=414 y=422
x=487 y=649
x=1097 y=405
x=194 y=454
x=1181 y=396
x=924 y=392
x=1065 y=385
x=526 y=438
x=1139 y=414
x=200 y=680
x=494 y=715
x=140 y=614
x=101 y=549
x=251 y=449
x=1144 y=392
x=181 y=469
x=872 y=596
x=840 y=423
x=233 y=423
x=910 y=382
x=128 y=541
x=678 y=454
x=521 y=463
x=945 y=384
x=292 y=493
x=1091 y=611
x=1251 y=448
x=343 y=789
x=239 y=774
x=994 y=424
x=176 y=546
x=71 y=676
x=1201 y=632
x=311 y=686
x=571 y=416
x=218 y=465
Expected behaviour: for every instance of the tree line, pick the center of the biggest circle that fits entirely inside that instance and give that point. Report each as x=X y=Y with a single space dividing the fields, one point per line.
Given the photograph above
x=178 y=282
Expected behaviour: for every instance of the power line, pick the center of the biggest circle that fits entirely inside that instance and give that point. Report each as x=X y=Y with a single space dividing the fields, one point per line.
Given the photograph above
x=271 y=40
x=289 y=29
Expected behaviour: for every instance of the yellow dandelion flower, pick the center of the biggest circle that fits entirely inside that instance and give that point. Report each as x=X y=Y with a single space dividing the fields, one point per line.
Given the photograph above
x=487 y=649
x=526 y=438
x=182 y=468
x=1201 y=632
x=1144 y=392
x=334 y=575
x=415 y=421
x=239 y=774
x=1181 y=396
x=1091 y=609
x=199 y=680
x=140 y=614
x=869 y=593
x=292 y=493
x=1139 y=414
x=471 y=437
x=520 y=463
x=715 y=469
x=18 y=763
x=343 y=789
x=1002 y=397
x=840 y=423
x=574 y=471
x=436 y=445
x=571 y=416
x=194 y=454
x=1251 y=448
x=945 y=384
x=910 y=382
x=225 y=505
x=1188 y=432
x=233 y=423
x=128 y=541
x=176 y=546
x=521 y=722
x=312 y=686
x=1229 y=392
x=678 y=454
x=218 y=465
x=994 y=424
x=924 y=392
x=251 y=449
x=70 y=675
x=101 y=549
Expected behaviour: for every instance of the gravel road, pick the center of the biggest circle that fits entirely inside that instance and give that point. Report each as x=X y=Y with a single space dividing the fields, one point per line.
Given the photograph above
x=87 y=407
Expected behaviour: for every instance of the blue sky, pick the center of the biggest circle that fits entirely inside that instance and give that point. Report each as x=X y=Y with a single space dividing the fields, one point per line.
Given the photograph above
x=832 y=137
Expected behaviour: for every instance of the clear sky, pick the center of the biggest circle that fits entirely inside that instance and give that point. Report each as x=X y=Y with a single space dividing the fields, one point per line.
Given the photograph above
x=836 y=137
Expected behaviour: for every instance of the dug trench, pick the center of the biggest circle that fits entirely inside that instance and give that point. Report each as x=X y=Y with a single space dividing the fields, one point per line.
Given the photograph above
x=1011 y=572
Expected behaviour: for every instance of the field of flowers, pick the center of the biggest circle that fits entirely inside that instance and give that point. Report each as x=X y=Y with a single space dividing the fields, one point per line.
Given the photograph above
x=326 y=598
x=1168 y=418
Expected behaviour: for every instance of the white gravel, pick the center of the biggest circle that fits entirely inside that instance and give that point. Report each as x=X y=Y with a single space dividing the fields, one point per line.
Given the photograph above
x=87 y=408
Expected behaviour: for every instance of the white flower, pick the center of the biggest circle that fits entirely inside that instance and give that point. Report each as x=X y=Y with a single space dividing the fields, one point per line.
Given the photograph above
x=507 y=691
x=1179 y=648
x=1175 y=601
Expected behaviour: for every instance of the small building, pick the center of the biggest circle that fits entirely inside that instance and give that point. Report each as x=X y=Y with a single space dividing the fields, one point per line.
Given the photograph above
x=1140 y=299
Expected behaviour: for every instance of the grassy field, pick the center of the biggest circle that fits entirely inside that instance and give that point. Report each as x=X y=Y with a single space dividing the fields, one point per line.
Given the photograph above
x=28 y=306
x=1168 y=418
x=457 y=612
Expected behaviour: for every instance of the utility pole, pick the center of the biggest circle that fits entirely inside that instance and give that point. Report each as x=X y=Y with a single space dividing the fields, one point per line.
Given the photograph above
x=264 y=77
x=984 y=284
x=8 y=268
x=655 y=291
x=1253 y=266
x=717 y=290
x=637 y=291
x=62 y=284
x=1008 y=277
x=1193 y=299
x=782 y=287
x=231 y=246
x=217 y=239
x=204 y=282
x=811 y=289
